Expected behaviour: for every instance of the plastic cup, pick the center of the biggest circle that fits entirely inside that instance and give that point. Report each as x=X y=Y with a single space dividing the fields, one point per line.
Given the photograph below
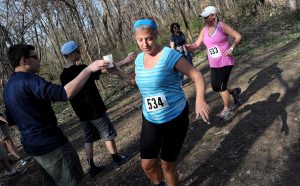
x=130 y=53
x=109 y=58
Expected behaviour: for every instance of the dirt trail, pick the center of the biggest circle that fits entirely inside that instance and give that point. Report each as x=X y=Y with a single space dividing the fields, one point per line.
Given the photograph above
x=259 y=146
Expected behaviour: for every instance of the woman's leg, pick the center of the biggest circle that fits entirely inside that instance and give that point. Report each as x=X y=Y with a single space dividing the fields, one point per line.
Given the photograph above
x=170 y=172
x=226 y=98
x=173 y=136
x=219 y=79
x=152 y=170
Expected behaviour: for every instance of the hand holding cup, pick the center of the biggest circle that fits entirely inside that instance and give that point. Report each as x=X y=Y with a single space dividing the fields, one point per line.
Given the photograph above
x=109 y=58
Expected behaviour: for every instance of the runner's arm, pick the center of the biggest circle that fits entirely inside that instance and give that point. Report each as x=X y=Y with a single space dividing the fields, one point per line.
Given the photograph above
x=201 y=107
x=234 y=34
x=197 y=44
x=127 y=60
x=128 y=78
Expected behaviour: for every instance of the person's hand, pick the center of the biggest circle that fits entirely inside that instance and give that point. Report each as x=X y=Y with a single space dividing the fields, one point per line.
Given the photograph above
x=229 y=52
x=131 y=56
x=202 y=109
x=187 y=47
x=98 y=65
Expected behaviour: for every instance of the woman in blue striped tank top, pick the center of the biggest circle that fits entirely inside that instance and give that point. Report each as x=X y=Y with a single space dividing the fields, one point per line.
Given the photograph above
x=165 y=108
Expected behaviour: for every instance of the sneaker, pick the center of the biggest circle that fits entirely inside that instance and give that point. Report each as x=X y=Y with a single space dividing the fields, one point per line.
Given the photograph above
x=94 y=171
x=163 y=183
x=236 y=95
x=226 y=114
x=22 y=162
x=121 y=160
x=11 y=161
x=16 y=172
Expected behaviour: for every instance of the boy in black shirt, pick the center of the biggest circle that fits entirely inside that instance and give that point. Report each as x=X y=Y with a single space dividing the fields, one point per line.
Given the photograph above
x=89 y=107
x=28 y=97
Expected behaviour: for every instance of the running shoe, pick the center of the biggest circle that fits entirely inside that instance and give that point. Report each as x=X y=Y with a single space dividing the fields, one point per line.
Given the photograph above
x=121 y=160
x=163 y=183
x=226 y=114
x=95 y=170
x=236 y=95
x=22 y=162
x=16 y=172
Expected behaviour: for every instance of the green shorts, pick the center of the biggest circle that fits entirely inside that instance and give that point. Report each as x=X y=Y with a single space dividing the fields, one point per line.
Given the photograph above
x=62 y=165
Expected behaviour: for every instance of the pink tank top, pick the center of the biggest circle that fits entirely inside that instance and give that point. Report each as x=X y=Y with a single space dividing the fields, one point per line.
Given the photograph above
x=216 y=45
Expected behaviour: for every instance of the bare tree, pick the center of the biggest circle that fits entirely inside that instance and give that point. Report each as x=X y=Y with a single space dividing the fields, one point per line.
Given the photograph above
x=76 y=16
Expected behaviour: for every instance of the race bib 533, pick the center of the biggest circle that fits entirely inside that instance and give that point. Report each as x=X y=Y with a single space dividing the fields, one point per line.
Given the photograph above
x=214 y=52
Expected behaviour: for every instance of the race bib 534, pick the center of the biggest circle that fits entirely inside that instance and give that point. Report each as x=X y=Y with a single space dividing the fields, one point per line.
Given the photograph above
x=155 y=103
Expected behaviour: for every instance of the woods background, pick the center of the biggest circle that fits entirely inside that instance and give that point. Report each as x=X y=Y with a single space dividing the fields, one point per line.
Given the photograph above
x=104 y=26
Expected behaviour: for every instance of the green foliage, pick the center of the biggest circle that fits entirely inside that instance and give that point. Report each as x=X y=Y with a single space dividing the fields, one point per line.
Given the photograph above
x=58 y=107
x=118 y=54
x=268 y=33
x=195 y=25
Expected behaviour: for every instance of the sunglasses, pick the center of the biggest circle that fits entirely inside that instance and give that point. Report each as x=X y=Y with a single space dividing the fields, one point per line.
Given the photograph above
x=34 y=56
x=206 y=17
x=175 y=26
x=76 y=51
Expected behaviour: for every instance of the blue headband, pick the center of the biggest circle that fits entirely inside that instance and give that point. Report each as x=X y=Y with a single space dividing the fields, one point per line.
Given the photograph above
x=147 y=22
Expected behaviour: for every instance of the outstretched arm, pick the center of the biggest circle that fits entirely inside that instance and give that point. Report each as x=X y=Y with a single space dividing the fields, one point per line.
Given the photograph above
x=131 y=56
x=73 y=87
x=197 y=44
x=128 y=78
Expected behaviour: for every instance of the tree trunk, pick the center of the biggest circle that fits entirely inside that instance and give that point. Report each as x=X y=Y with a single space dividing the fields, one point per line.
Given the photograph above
x=185 y=22
x=292 y=5
x=93 y=28
x=55 y=39
x=76 y=17
x=298 y=5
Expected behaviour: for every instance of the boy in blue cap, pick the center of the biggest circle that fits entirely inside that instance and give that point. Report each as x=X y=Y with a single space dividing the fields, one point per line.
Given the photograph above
x=90 y=108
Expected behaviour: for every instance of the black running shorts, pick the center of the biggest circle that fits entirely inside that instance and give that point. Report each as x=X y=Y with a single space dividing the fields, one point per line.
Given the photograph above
x=219 y=78
x=166 y=138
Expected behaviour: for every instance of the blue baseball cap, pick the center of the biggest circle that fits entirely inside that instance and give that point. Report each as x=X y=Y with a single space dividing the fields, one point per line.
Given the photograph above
x=69 y=47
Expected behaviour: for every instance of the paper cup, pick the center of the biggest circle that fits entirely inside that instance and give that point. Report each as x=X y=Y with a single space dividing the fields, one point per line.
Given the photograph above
x=109 y=58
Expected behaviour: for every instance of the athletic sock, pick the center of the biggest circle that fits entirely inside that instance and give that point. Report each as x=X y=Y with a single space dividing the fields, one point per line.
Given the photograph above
x=116 y=157
x=91 y=163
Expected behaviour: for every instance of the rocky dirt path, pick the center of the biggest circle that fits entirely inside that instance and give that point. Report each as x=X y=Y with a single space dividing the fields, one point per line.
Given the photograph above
x=259 y=146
